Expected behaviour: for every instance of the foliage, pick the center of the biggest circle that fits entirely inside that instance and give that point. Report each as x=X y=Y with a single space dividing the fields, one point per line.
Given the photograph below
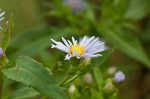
x=42 y=72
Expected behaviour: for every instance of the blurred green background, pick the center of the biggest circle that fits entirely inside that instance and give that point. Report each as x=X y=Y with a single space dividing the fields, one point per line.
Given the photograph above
x=123 y=24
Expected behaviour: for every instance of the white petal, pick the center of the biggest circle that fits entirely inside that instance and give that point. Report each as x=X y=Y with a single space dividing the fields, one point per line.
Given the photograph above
x=91 y=44
x=83 y=40
x=74 y=41
x=74 y=52
x=60 y=46
x=2 y=18
x=89 y=41
x=53 y=46
x=66 y=43
x=70 y=43
x=59 y=43
x=68 y=57
x=95 y=51
x=78 y=54
x=97 y=47
x=3 y=13
x=87 y=55
x=53 y=41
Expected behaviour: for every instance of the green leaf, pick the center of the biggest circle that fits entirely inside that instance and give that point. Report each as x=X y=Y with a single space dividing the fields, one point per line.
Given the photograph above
x=96 y=94
x=24 y=93
x=32 y=73
x=125 y=42
x=137 y=9
x=35 y=40
x=99 y=80
x=145 y=37
x=98 y=77
x=114 y=9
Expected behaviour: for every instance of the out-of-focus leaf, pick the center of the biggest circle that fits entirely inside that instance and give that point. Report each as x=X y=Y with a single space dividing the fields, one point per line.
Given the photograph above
x=32 y=73
x=24 y=93
x=99 y=80
x=114 y=9
x=96 y=94
x=35 y=41
x=125 y=42
x=22 y=39
x=137 y=9
x=47 y=58
x=145 y=37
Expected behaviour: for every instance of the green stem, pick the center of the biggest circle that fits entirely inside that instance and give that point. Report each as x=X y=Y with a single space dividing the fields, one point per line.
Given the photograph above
x=70 y=80
x=1 y=84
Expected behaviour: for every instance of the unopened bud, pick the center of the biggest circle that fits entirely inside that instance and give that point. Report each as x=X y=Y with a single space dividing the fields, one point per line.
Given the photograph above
x=88 y=78
x=72 y=88
x=112 y=70
x=109 y=87
x=1 y=52
x=119 y=77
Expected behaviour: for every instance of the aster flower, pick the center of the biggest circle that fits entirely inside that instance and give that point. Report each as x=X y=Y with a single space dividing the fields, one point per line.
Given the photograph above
x=88 y=47
x=119 y=77
x=1 y=17
x=75 y=5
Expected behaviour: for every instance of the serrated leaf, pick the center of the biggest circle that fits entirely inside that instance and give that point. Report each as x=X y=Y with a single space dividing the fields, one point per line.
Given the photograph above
x=24 y=93
x=32 y=73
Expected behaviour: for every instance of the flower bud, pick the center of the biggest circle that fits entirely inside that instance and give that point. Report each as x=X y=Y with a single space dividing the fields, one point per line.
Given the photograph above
x=88 y=78
x=119 y=77
x=112 y=70
x=72 y=88
x=109 y=87
x=1 y=52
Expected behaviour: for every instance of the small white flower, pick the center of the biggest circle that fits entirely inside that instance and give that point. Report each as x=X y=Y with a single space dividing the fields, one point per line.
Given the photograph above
x=1 y=17
x=86 y=48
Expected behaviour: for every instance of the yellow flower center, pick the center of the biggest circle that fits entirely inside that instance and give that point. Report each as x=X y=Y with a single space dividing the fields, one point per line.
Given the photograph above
x=77 y=48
